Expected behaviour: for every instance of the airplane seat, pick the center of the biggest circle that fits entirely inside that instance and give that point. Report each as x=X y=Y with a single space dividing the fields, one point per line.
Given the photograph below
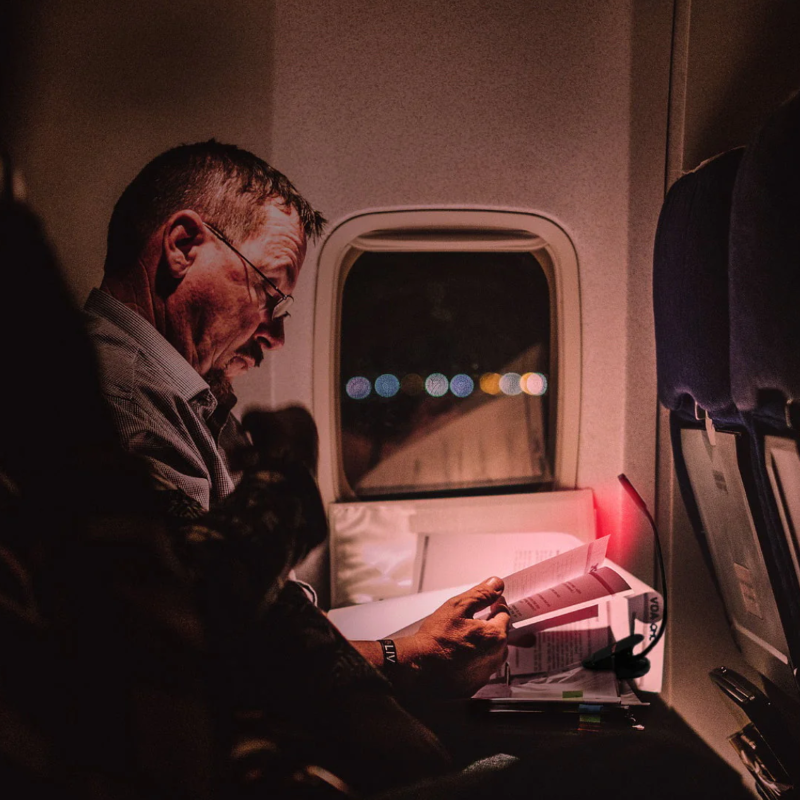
x=765 y=356
x=102 y=659
x=710 y=435
x=714 y=450
x=690 y=307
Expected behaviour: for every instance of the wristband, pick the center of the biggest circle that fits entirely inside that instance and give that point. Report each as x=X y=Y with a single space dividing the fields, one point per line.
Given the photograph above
x=389 y=653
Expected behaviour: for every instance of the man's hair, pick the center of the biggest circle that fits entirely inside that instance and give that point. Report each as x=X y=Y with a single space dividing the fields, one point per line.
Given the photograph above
x=226 y=185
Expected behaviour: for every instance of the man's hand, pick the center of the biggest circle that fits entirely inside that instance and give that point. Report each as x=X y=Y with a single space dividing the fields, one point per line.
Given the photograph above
x=453 y=654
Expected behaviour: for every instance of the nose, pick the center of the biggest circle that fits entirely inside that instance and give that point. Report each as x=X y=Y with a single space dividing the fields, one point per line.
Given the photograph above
x=270 y=334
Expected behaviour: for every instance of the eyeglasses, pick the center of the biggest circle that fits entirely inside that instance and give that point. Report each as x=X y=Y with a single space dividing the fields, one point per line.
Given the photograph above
x=281 y=309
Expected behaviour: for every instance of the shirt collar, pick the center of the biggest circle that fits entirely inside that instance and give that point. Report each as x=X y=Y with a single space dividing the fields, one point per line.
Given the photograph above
x=186 y=381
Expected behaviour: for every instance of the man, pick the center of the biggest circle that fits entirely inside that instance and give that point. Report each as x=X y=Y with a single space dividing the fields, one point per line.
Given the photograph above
x=204 y=250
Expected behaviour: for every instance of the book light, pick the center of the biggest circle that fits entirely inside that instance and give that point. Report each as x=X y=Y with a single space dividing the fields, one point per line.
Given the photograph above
x=619 y=656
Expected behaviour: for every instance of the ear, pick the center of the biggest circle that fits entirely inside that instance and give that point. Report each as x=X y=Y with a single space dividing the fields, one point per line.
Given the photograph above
x=183 y=235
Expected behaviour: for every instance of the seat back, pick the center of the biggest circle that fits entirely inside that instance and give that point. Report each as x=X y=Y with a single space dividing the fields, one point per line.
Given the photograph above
x=765 y=342
x=710 y=438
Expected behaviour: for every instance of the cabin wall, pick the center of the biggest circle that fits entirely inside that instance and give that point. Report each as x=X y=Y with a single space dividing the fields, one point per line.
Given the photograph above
x=513 y=105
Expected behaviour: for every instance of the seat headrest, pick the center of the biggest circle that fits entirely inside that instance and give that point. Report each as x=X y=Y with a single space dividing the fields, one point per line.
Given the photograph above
x=765 y=263
x=690 y=288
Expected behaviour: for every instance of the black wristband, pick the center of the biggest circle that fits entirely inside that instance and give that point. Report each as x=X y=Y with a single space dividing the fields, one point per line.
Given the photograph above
x=389 y=653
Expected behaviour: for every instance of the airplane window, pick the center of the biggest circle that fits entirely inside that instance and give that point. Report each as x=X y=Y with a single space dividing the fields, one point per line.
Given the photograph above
x=445 y=381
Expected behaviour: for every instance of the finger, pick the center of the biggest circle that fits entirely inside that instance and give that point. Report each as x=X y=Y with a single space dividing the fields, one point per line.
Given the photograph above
x=479 y=597
x=519 y=637
x=498 y=606
x=500 y=622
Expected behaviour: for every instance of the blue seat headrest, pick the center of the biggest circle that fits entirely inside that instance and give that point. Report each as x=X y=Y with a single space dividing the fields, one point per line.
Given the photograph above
x=690 y=288
x=765 y=264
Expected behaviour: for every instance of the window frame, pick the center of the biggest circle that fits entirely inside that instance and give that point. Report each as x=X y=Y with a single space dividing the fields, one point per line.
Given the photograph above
x=448 y=230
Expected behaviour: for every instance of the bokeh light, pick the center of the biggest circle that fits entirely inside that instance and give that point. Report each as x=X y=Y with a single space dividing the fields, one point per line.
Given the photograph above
x=412 y=384
x=490 y=383
x=509 y=384
x=358 y=388
x=523 y=382
x=534 y=383
x=436 y=384
x=387 y=385
x=462 y=385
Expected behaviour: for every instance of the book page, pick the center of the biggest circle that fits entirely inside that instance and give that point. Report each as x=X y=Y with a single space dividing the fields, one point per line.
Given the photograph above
x=598 y=583
x=449 y=559
x=576 y=685
x=556 y=570
x=551 y=573
x=564 y=646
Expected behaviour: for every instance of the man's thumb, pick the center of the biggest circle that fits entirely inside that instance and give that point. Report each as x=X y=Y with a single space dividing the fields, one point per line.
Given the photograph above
x=495 y=584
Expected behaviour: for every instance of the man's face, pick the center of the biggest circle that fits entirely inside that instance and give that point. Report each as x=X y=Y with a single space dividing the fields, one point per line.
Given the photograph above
x=229 y=305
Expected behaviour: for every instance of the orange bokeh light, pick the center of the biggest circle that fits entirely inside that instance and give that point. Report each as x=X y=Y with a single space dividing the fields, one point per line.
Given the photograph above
x=490 y=383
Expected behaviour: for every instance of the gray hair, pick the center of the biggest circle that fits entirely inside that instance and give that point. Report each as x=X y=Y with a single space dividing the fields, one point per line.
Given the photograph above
x=225 y=184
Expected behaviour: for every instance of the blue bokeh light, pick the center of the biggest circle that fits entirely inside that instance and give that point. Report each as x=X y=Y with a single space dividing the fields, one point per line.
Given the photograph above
x=436 y=384
x=358 y=388
x=387 y=385
x=462 y=385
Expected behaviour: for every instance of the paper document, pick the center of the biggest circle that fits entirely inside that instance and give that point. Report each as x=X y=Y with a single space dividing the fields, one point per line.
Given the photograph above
x=577 y=685
x=450 y=559
x=599 y=583
x=556 y=570
x=564 y=646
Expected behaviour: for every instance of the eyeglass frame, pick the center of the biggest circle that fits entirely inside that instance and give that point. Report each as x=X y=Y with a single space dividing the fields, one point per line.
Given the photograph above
x=281 y=309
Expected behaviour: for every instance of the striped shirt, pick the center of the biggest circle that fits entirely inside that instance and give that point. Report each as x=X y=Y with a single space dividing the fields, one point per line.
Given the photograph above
x=160 y=405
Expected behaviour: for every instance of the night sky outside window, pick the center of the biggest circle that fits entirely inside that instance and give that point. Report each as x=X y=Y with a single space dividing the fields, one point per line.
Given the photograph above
x=445 y=377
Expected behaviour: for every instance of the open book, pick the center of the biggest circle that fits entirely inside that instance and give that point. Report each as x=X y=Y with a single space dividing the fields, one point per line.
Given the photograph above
x=574 y=602
x=558 y=587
